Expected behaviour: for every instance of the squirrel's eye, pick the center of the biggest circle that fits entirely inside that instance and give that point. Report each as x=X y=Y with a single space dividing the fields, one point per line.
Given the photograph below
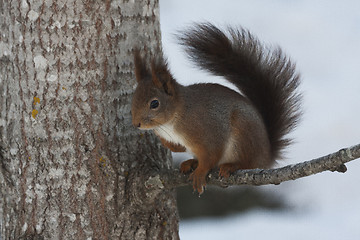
x=154 y=104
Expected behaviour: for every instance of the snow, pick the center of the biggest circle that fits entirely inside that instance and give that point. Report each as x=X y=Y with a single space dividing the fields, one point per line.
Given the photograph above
x=280 y=225
x=322 y=37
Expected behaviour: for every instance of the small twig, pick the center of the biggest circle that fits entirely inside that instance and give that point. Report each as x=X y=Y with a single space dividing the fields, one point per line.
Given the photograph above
x=332 y=162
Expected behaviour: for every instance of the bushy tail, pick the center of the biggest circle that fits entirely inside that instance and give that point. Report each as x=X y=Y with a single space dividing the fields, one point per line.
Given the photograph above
x=267 y=79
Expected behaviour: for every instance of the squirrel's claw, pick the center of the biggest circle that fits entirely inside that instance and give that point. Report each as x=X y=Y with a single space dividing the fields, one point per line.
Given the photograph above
x=199 y=180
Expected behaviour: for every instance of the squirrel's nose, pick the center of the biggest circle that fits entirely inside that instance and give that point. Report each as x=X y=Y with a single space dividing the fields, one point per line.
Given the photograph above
x=137 y=125
x=135 y=122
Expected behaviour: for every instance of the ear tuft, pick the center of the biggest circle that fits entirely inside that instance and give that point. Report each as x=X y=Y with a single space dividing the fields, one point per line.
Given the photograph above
x=140 y=67
x=162 y=77
x=155 y=74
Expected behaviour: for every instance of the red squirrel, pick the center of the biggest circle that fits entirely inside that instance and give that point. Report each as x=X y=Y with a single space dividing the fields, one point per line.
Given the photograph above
x=219 y=126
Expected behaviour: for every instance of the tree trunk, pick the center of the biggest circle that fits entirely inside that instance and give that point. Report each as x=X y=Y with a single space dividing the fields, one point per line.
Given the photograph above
x=72 y=165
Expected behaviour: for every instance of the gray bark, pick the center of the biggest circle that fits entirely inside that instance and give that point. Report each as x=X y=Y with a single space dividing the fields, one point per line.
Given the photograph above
x=72 y=166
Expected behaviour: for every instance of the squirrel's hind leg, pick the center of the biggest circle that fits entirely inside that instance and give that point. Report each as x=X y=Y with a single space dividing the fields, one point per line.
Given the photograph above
x=239 y=153
x=228 y=168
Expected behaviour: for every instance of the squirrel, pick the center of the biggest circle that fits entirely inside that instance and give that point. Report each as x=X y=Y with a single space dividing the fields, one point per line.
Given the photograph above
x=220 y=127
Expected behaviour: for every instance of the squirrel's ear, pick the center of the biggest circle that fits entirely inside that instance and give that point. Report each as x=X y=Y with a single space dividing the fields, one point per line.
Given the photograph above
x=140 y=67
x=155 y=75
x=162 y=77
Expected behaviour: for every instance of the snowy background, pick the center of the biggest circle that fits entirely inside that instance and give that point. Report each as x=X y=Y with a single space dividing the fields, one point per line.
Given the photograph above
x=323 y=39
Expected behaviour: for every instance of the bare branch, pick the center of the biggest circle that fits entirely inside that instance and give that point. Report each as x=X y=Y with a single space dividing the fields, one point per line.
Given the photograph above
x=332 y=162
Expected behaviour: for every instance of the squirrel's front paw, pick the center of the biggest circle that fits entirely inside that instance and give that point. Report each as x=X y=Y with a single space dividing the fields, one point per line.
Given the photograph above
x=198 y=178
x=188 y=165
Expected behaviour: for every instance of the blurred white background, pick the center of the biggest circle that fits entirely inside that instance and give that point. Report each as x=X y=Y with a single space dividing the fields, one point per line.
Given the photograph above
x=323 y=39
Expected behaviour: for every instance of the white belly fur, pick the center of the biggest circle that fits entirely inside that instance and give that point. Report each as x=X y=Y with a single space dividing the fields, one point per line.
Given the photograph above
x=168 y=133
